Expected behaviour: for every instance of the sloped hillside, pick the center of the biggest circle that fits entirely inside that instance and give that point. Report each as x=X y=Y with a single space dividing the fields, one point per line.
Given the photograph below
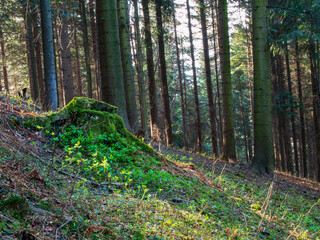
x=79 y=174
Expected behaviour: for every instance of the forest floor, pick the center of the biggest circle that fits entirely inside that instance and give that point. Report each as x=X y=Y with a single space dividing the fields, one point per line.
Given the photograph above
x=50 y=190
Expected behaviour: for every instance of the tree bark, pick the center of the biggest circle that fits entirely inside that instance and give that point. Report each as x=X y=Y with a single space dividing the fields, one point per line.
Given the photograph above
x=263 y=160
x=154 y=114
x=163 y=77
x=51 y=100
x=212 y=110
x=228 y=149
x=84 y=26
x=195 y=86
x=4 y=64
x=112 y=88
x=128 y=77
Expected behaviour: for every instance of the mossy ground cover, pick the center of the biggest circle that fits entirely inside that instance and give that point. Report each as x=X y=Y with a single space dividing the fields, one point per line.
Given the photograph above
x=100 y=182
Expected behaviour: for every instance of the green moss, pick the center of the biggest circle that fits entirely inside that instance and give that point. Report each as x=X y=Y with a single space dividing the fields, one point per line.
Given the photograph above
x=93 y=116
x=16 y=206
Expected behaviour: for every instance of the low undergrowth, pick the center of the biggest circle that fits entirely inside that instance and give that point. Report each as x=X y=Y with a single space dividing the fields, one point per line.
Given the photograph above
x=95 y=185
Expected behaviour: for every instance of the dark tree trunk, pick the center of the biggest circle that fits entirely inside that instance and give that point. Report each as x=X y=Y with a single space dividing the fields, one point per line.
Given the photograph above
x=183 y=111
x=84 y=26
x=154 y=115
x=51 y=100
x=303 y=157
x=212 y=110
x=4 y=64
x=195 y=86
x=94 y=47
x=293 y=126
x=163 y=77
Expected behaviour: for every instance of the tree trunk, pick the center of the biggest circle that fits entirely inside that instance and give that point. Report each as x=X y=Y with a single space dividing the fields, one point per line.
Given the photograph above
x=315 y=105
x=51 y=100
x=31 y=56
x=216 y=71
x=263 y=160
x=212 y=110
x=154 y=114
x=94 y=47
x=110 y=57
x=183 y=111
x=228 y=149
x=195 y=86
x=84 y=26
x=66 y=60
x=139 y=64
x=78 y=66
x=37 y=46
x=163 y=77
x=128 y=77
x=293 y=126
x=303 y=157
x=4 y=64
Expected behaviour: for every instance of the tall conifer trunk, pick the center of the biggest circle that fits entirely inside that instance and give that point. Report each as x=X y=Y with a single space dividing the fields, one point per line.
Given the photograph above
x=154 y=114
x=4 y=64
x=195 y=85
x=263 y=160
x=128 y=77
x=228 y=149
x=112 y=88
x=163 y=77
x=51 y=99
x=212 y=110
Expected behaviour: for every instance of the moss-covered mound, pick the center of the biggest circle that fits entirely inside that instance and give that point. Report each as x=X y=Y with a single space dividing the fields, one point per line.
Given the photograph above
x=94 y=117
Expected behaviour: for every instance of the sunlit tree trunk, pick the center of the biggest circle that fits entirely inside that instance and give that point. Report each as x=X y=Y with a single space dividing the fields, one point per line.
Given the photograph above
x=163 y=77
x=51 y=100
x=228 y=148
x=195 y=86
x=112 y=88
x=263 y=160
x=126 y=56
x=77 y=59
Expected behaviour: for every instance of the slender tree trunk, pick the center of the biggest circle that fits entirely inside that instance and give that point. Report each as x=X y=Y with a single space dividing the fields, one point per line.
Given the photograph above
x=183 y=111
x=216 y=72
x=84 y=26
x=293 y=126
x=78 y=66
x=228 y=150
x=263 y=161
x=154 y=114
x=139 y=64
x=315 y=105
x=94 y=47
x=58 y=64
x=110 y=57
x=4 y=64
x=163 y=77
x=303 y=156
x=37 y=46
x=128 y=77
x=51 y=100
x=212 y=110
x=31 y=56
x=195 y=86
x=66 y=60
